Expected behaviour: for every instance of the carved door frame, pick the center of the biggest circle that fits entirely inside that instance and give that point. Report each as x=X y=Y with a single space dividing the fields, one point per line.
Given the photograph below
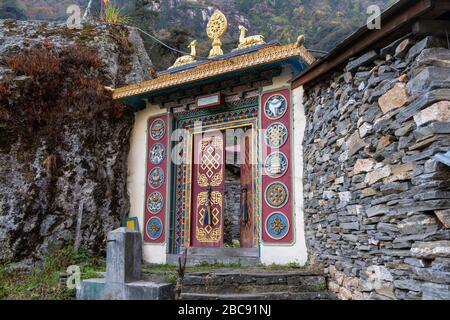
x=256 y=187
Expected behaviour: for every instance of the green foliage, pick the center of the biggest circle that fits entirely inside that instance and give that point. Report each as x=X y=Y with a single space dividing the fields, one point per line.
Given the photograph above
x=114 y=15
x=43 y=281
x=57 y=87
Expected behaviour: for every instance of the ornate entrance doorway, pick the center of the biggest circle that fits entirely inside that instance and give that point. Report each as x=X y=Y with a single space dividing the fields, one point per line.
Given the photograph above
x=189 y=194
x=210 y=150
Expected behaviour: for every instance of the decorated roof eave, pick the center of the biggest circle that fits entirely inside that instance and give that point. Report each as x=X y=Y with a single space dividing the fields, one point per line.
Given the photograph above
x=134 y=95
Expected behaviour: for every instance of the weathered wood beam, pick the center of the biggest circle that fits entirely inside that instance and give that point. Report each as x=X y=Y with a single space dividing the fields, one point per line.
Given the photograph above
x=431 y=27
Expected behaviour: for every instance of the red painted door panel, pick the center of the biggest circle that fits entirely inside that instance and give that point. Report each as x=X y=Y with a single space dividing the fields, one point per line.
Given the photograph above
x=246 y=214
x=207 y=223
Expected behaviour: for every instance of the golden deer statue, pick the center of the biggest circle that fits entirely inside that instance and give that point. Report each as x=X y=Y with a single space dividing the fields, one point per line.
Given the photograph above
x=187 y=59
x=245 y=42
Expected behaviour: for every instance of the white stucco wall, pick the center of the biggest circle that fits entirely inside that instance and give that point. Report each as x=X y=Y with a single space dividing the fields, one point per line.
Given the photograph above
x=153 y=253
x=296 y=252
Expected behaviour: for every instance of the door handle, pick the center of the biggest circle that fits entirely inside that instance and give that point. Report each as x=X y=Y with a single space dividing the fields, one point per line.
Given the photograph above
x=244 y=213
x=207 y=220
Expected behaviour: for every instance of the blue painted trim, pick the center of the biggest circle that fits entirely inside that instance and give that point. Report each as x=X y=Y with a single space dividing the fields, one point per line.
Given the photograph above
x=138 y=101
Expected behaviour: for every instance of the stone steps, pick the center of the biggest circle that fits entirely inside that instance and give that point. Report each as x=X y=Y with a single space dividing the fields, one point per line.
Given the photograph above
x=255 y=285
x=261 y=296
x=225 y=256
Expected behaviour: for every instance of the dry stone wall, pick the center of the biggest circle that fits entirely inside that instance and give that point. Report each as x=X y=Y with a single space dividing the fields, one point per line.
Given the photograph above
x=376 y=173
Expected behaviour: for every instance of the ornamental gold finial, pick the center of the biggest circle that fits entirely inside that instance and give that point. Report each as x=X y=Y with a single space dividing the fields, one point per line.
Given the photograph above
x=217 y=26
x=300 y=41
x=245 y=42
x=187 y=59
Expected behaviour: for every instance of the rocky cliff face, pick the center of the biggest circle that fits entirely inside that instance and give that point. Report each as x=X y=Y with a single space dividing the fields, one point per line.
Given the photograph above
x=66 y=185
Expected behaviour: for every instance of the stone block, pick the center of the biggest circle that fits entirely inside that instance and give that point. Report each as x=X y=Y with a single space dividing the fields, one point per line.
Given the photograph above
x=91 y=289
x=409 y=284
x=383 y=142
x=363 y=166
x=426 y=43
x=430 y=78
x=377 y=175
x=439 y=111
x=422 y=102
x=373 y=211
x=350 y=226
x=444 y=217
x=417 y=224
x=124 y=256
x=149 y=291
x=431 y=250
x=333 y=286
x=354 y=143
x=433 y=291
x=403 y=48
x=394 y=98
x=363 y=60
x=365 y=129
x=434 y=57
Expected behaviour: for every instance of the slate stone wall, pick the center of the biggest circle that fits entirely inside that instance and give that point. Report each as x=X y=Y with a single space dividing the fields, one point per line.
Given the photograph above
x=377 y=189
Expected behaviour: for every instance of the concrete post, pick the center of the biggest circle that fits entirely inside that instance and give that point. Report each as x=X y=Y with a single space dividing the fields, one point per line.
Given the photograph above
x=123 y=261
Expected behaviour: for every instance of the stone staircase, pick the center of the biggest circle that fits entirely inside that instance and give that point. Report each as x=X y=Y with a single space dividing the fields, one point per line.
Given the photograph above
x=255 y=285
x=224 y=256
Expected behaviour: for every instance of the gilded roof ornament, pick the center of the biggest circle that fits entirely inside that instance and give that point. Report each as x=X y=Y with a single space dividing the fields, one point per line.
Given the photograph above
x=217 y=26
x=245 y=42
x=187 y=59
x=210 y=69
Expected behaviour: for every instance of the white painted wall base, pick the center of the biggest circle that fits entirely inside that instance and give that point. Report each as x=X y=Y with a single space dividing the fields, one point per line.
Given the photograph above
x=297 y=252
x=152 y=253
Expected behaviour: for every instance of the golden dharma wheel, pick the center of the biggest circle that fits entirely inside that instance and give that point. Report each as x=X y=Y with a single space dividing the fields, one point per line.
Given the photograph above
x=217 y=25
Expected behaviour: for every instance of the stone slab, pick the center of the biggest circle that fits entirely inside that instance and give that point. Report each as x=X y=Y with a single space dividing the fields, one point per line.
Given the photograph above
x=92 y=289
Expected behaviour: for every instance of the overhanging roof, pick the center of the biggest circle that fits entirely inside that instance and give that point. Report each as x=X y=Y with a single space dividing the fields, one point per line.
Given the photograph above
x=395 y=23
x=251 y=59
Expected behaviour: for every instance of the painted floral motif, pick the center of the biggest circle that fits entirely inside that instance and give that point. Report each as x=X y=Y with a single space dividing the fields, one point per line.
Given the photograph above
x=157 y=129
x=276 y=165
x=157 y=154
x=277 y=195
x=276 y=107
x=276 y=135
x=156 y=178
x=154 y=228
x=155 y=203
x=277 y=226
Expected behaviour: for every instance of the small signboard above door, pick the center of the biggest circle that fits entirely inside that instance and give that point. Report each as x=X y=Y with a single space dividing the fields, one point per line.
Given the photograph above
x=211 y=100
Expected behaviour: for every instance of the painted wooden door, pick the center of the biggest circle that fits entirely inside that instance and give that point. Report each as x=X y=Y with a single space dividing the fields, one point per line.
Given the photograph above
x=207 y=218
x=246 y=213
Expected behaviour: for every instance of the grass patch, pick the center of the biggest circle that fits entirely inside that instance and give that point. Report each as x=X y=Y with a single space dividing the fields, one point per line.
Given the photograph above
x=43 y=282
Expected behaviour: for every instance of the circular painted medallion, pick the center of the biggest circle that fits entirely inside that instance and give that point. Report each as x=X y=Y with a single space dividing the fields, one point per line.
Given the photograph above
x=277 y=225
x=276 y=107
x=276 y=195
x=154 y=228
x=157 y=154
x=276 y=165
x=156 y=178
x=276 y=135
x=157 y=129
x=155 y=202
